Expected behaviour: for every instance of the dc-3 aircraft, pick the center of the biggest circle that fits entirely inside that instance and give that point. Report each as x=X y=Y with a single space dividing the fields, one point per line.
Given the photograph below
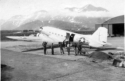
x=98 y=40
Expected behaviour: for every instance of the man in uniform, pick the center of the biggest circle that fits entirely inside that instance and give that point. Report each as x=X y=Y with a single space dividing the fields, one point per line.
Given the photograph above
x=67 y=39
x=61 y=47
x=68 y=47
x=52 y=48
x=76 y=49
x=79 y=46
x=44 y=47
x=84 y=43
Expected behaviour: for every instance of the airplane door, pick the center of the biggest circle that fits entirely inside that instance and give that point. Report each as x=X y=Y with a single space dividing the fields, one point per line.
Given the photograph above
x=72 y=37
x=67 y=36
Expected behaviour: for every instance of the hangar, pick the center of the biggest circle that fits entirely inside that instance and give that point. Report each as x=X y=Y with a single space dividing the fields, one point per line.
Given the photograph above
x=114 y=25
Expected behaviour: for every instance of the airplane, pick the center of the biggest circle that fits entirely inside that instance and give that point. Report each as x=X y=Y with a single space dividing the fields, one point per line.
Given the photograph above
x=54 y=35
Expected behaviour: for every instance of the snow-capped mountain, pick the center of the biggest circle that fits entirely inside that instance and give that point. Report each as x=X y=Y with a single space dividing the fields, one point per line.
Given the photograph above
x=93 y=8
x=88 y=11
x=86 y=8
x=19 y=20
x=86 y=16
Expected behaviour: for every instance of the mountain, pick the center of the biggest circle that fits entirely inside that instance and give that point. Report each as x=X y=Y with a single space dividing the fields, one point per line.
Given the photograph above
x=86 y=8
x=89 y=22
x=42 y=14
x=13 y=22
x=34 y=25
x=18 y=20
x=75 y=18
x=93 y=8
x=8 y=26
x=30 y=25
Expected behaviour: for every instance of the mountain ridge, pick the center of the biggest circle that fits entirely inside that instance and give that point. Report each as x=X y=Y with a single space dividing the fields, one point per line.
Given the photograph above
x=86 y=8
x=86 y=20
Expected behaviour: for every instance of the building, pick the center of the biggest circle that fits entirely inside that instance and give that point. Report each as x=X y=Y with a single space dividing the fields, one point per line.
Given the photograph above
x=114 y=25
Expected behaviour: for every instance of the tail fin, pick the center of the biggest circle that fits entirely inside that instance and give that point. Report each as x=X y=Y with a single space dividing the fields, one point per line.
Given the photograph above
x=101 y=34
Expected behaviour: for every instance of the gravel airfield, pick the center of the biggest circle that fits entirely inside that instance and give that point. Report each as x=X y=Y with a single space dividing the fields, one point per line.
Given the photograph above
x=34 y=66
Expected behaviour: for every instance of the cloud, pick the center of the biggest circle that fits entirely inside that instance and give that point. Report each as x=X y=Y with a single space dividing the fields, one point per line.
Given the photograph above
x=9 y=8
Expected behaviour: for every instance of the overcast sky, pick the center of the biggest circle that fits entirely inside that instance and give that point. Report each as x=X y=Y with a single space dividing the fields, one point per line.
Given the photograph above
x=9 y=8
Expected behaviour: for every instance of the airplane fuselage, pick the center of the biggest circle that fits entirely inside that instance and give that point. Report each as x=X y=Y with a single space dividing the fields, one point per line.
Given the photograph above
x=55 y=35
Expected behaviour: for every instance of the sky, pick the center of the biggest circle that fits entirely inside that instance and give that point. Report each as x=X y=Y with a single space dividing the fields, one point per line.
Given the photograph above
x=9 y=8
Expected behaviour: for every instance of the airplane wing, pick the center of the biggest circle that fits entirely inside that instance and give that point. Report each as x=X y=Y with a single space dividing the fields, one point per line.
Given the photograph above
x=48 y=47
x=83 y=46
x=25 y=38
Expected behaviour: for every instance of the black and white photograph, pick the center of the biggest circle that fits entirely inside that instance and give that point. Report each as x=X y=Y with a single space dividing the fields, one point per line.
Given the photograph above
x=62 y=40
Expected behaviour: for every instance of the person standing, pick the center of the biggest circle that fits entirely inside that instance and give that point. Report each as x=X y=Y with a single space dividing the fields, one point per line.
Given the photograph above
x=44 y=47
x=76 y=49
x=52 y=49
x=79 y=46
x=83 y=41
x=67 y=39
x=61 y=47
x=68 y=48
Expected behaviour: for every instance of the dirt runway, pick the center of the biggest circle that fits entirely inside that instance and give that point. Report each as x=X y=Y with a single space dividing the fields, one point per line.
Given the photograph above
x=30 y=67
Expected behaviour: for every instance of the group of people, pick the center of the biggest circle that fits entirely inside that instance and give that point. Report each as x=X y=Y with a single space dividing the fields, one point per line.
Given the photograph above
x=68 y=45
